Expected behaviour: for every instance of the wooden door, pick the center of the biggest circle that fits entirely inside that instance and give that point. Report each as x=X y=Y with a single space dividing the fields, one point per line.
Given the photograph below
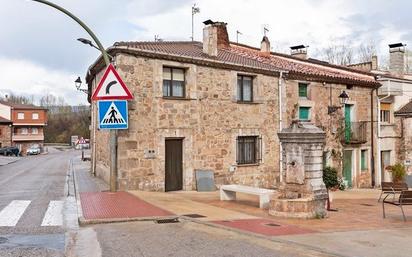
x=347 y=166
x=174 y=165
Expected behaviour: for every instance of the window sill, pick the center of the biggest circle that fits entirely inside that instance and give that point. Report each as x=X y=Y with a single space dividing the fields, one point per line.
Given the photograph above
x=176 y=98
x=248 y=165
x=244 y=102
x=387 y=124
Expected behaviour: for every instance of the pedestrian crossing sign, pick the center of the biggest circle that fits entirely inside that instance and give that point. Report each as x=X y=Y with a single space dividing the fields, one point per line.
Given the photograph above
x=113 y=114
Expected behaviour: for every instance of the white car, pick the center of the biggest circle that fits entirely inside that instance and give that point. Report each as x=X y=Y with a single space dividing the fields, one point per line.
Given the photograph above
x=33 y=150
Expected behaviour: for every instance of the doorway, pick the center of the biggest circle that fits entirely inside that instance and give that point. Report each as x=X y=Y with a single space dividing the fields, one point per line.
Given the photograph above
x=173 y=164
x=385 y=161
x=348 y=119
x=347 y=166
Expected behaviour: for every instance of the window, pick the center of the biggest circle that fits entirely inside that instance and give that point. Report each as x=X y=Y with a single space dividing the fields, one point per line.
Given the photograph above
x=364 y=160
x=34 y=131
x=304 y=113
x=173 y=82
x=248 y=149
x=244 y=88
x=385 y=112
x=24 y=131
x=303 y=90
x=20 y=116
x=35 y=115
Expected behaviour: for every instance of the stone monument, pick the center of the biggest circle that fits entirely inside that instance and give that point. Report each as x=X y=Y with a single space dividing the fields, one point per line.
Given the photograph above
x=302 y=193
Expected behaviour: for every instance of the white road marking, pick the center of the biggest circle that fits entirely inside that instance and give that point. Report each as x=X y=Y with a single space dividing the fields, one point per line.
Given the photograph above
x=11 y=214
x=54 y=214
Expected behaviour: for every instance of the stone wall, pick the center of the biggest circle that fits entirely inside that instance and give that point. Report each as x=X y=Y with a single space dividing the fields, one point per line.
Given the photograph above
x=318 y=99
x=209 y=120
x=404 y=144
x=5 y=135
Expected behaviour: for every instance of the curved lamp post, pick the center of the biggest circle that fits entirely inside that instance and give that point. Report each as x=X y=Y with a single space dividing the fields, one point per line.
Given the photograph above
x=113 y=133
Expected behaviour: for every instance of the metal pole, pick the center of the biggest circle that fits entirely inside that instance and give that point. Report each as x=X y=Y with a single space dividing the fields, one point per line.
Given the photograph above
x=193 y=14
x=113 y=134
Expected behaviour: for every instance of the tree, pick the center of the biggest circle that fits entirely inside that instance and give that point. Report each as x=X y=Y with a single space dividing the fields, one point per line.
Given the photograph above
x=330 y=178
x=338 y=54
x=18 y=99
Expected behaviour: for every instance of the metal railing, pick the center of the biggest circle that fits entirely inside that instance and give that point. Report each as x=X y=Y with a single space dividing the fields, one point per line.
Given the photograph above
x=354 y=132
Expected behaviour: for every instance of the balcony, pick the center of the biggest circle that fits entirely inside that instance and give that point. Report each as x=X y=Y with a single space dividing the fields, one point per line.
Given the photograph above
x=354 y=132
x=391 y=87
x=28 y=137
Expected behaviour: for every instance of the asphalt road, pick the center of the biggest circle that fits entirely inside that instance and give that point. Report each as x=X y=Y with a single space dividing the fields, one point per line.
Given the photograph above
x=32 y=194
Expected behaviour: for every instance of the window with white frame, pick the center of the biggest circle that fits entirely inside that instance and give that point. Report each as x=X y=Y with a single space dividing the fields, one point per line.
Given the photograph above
x=34 y=131
x=35 y=115
x=24 y=131
x=20 y=115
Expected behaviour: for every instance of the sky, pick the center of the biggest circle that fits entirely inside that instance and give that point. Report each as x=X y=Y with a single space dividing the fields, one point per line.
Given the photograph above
x=39 y=52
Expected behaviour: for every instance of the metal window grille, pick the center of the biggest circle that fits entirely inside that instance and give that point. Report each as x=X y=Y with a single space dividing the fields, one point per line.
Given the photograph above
x=248 y=149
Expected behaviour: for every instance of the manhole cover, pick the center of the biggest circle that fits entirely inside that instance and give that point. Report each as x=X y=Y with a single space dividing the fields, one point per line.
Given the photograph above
x=272 y=225
x=164 y=221
x=194 y=215
x=3 y=240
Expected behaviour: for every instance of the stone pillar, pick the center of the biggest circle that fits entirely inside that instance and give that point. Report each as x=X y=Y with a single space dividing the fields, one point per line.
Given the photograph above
x=302 y=193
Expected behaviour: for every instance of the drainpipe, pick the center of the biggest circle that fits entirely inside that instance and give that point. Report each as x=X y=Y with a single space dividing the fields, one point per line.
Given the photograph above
x=378 y=145
x=280 y=124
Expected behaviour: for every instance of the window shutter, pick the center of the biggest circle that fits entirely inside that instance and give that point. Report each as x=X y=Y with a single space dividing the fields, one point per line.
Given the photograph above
x=237 y=150
x=259 y=149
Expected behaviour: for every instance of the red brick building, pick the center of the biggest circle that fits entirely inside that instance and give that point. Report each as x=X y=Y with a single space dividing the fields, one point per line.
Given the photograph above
x=5 y=132
x=28 y=122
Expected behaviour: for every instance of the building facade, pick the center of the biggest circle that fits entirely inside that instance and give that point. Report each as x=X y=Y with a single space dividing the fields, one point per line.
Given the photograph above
x=5 y=132
x=28 y=122
x=216 y=105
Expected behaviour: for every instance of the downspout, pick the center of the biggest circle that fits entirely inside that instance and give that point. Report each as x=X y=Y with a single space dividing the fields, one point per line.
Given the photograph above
x=373 y=166
x=280 y=125
x=378 y=146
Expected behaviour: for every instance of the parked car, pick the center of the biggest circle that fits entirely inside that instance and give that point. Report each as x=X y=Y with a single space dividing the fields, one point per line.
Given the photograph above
x=33 y=150
x=9 y=151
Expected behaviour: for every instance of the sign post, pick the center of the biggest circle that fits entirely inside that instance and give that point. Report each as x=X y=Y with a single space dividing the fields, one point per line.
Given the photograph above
x=111 y=95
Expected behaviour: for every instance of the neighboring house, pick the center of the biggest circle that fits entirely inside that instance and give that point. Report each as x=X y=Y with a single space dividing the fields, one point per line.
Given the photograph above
x=217 y=105
x=395 y=93
x=5 y=132
x=404 y=143
x=28 y=122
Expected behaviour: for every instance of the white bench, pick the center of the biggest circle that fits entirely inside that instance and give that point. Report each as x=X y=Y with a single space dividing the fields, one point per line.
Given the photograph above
x=228 y=193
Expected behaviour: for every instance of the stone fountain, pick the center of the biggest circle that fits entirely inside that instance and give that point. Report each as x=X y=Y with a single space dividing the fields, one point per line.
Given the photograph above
x=302 y=193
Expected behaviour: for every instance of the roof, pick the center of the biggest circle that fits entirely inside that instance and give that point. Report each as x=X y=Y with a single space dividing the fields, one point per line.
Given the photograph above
x=406 y=110
x=22 y=106
x=243 y=57
x=5 y=121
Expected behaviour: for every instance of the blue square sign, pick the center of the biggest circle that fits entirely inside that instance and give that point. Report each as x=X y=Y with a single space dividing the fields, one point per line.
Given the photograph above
x=113 y=114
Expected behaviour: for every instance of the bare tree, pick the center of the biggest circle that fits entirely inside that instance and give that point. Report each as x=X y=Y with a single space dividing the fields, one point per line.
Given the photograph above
x=17 y=99
x=365 y=52
x=338 y=54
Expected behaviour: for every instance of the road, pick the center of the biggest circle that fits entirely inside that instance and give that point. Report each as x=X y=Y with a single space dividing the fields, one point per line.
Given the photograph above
x=32 y=195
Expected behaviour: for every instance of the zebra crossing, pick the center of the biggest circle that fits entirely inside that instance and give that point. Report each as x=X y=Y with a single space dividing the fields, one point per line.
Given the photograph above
x=11 y=214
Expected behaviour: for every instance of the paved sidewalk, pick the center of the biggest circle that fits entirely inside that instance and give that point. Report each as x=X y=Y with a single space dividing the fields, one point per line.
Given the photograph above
x=96 y=205
x=4 y=160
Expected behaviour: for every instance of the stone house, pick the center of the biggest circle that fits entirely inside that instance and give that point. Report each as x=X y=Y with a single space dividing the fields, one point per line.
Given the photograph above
x=5 y=132
x=216 y=105
x=392 y=96
x=28 y=122
x=404 y=142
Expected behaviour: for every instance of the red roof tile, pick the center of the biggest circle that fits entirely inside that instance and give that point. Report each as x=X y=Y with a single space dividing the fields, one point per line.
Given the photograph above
x=5 y=121
x=22 y=106
x=246 y=56
x=405 y=110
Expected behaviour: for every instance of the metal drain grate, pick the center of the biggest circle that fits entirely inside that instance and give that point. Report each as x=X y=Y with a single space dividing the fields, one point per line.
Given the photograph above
x=272 y=225
x=194 y=215
x=164 y=221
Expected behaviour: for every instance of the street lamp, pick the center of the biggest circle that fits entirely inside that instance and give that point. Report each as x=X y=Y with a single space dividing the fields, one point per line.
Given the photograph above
x=78 y=84
x=90 y=43
x=343 y=99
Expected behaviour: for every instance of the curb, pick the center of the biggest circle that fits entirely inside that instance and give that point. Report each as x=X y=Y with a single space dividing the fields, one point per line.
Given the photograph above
x=84 y=222
x=80 y=217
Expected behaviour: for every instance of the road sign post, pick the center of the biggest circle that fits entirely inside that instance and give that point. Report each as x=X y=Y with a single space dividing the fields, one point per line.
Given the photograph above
x=113 y=114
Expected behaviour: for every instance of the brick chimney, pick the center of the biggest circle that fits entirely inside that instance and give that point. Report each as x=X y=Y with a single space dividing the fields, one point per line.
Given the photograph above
x=397 y=58
x=214 y=37
x=265 y=46
x=299 y=51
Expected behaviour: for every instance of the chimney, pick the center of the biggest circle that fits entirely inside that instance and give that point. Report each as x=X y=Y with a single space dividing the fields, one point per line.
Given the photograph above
x=265 y=46
x=214 y=37
x=374 y=62
x=397 y=58
x=299 y=51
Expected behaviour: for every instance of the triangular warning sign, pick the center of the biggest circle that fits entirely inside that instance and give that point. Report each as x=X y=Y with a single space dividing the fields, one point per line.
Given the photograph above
x=113 y=116
x=111 y=87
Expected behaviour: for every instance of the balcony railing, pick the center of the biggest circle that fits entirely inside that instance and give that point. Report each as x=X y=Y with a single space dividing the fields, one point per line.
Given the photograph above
x=354 y=132
x=28 y=137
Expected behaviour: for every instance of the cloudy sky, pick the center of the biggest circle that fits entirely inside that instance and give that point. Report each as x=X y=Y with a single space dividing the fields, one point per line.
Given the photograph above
x=39 y=52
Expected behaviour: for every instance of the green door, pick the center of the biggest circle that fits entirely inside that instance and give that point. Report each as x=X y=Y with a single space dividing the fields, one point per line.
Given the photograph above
x=347 y=123
x=347 y=166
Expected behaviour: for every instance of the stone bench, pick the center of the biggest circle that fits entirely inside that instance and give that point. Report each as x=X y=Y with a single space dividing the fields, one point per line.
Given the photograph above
x=228 y=193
